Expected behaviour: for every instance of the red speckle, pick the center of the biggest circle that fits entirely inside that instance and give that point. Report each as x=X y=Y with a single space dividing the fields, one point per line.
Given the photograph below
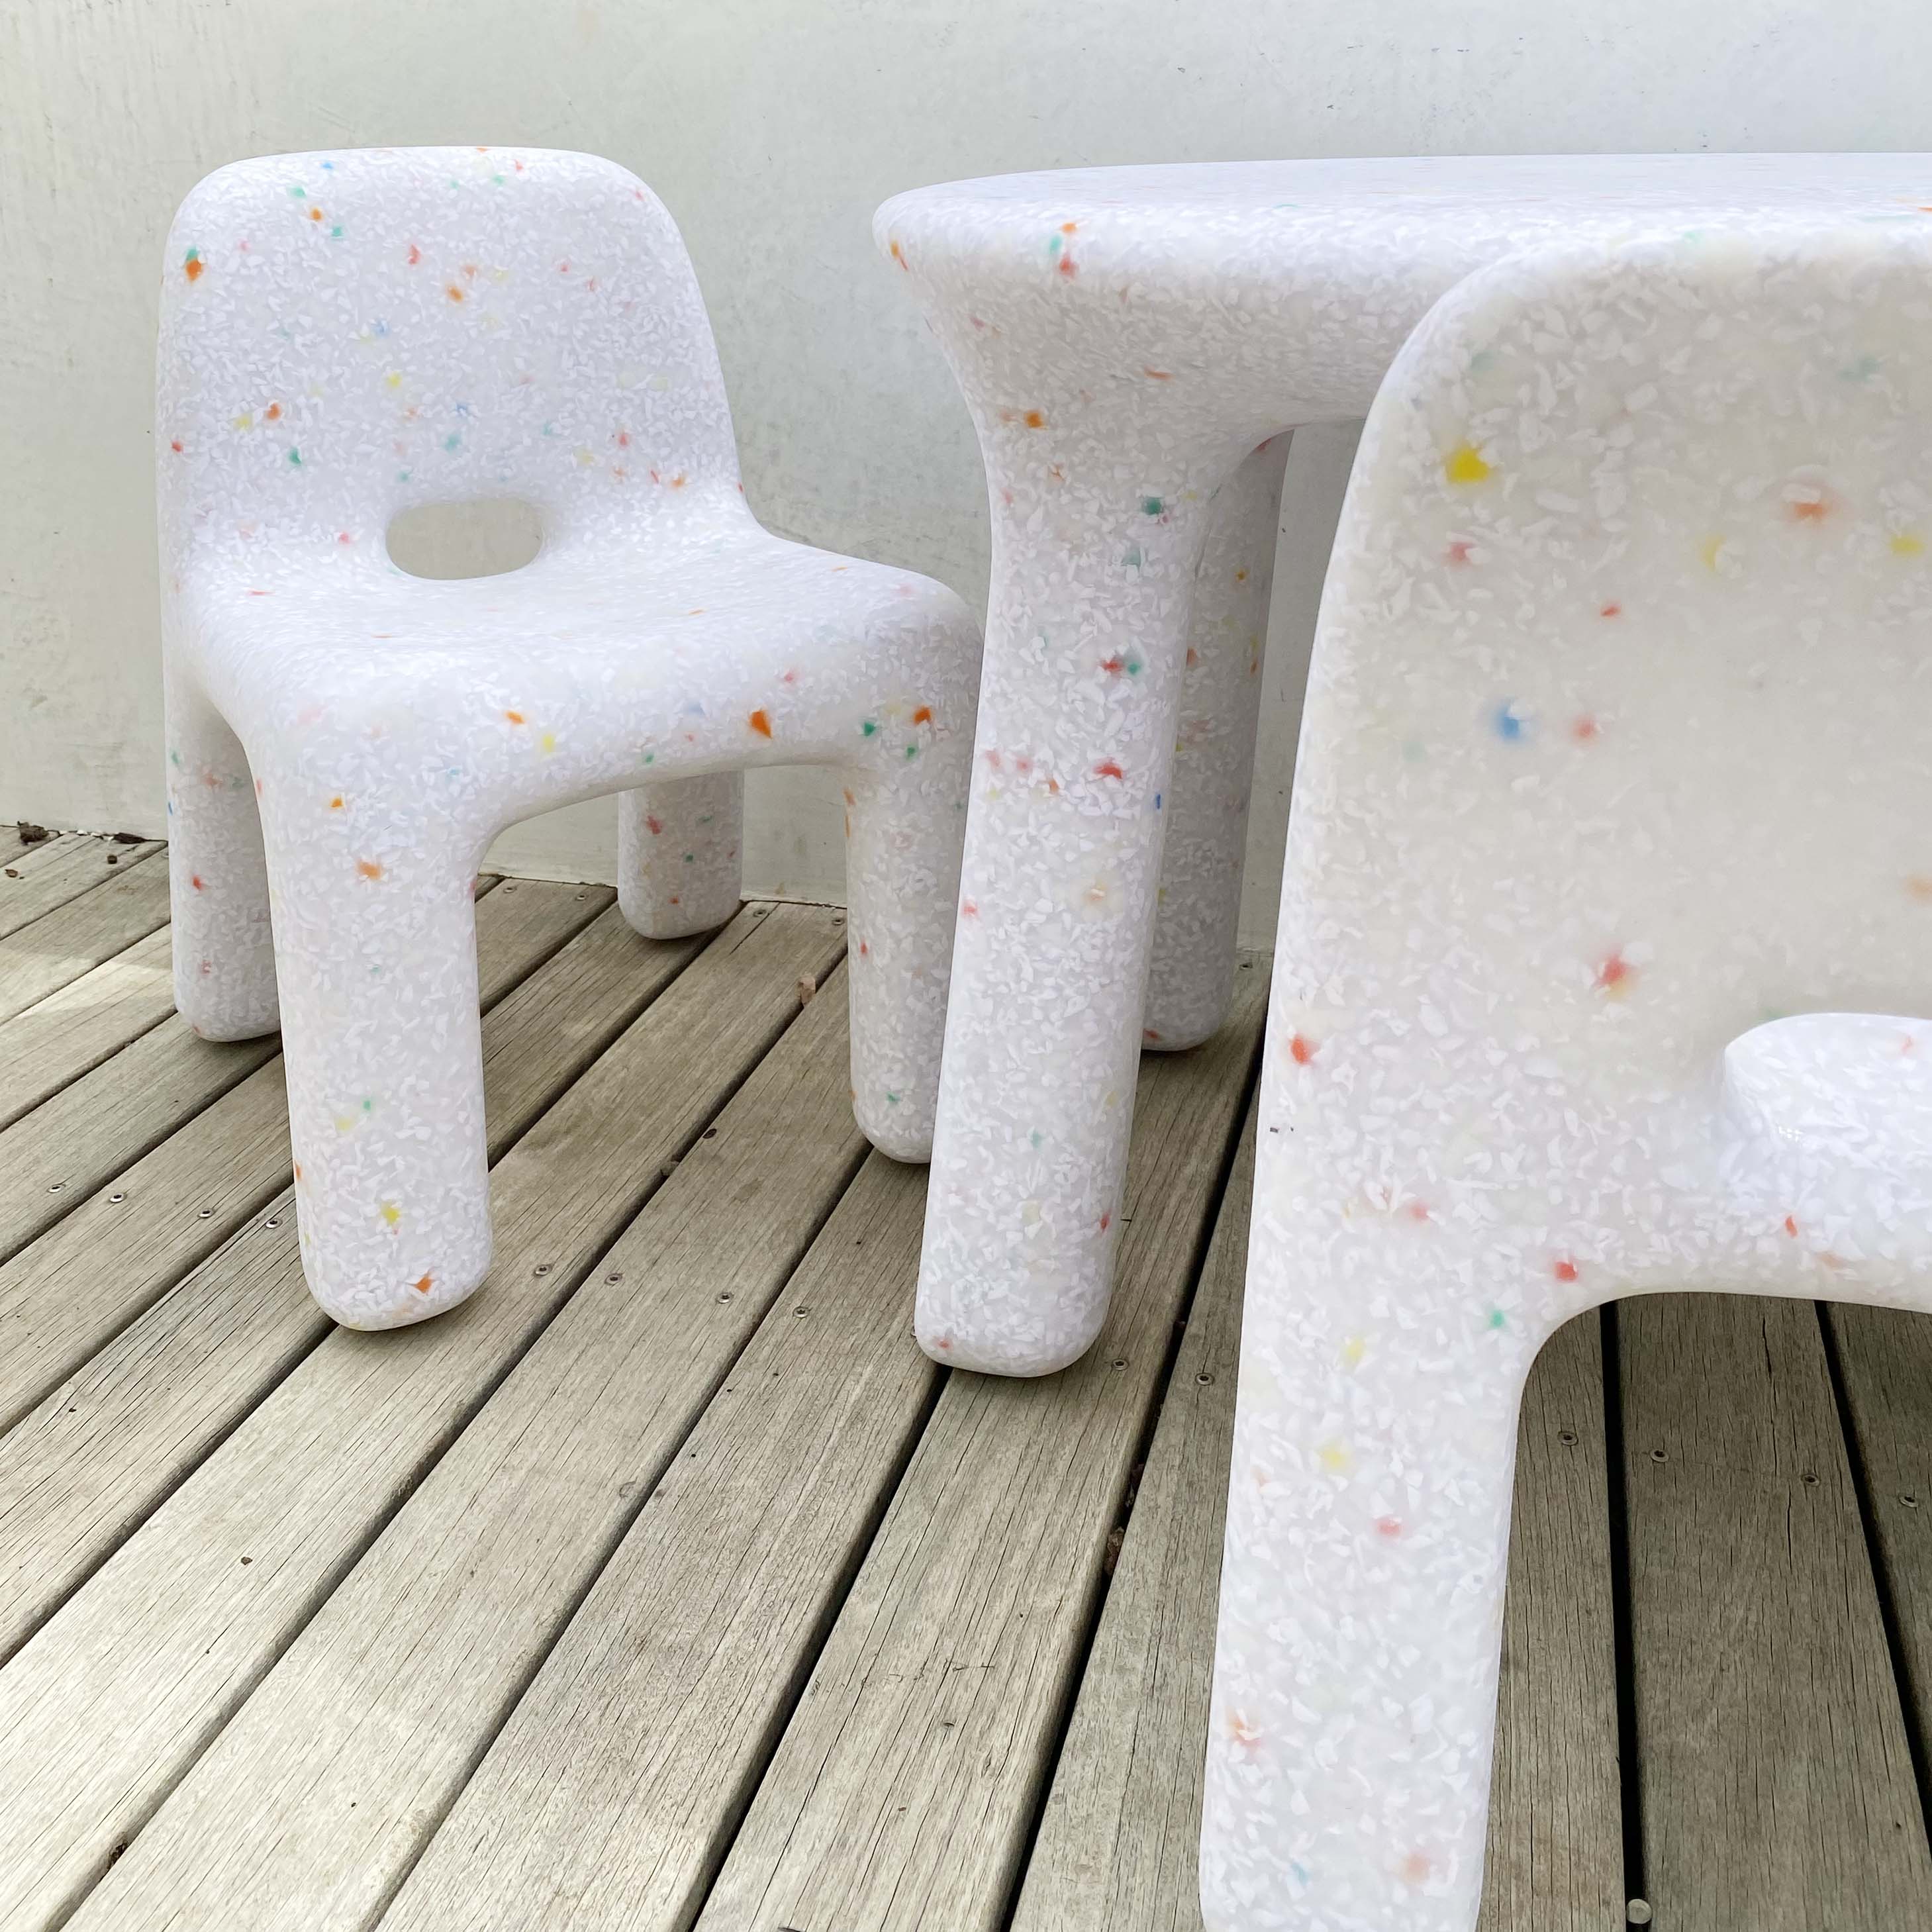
x=623 y=439
x=343 y=537
x=1418 y=1210
x=299 y=1170
x=1611 y=611
x=195 y=880
x=993 y=759
x=760 y=724
x=1811 y=511
x=1301 y=1050
x=1107 y=768
x=864 y=949
x=969 y=908
x=1564 y=1270
x=1193 y=657
x=1614 y=973
x=1065 y=266
x=656 y=825
x=1791 y=1225
x=1390 y=1526
x=1148 y=1034
x=1584 y=729
x=1115 y=664
x=923 y=715
x=944 y=1342
x=176 y=445
x=1414 y=1868
x=1106 y=1220
x=1458 y=553
x=424 y=1283
x=416 y=254
x=1159 y=375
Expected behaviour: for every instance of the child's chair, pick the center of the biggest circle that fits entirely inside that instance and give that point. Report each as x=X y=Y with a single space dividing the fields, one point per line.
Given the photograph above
x=1611 y=859
x=345 y=336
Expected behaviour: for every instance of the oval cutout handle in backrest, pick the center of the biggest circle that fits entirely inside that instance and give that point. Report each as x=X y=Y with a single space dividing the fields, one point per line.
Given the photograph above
x=482 y=538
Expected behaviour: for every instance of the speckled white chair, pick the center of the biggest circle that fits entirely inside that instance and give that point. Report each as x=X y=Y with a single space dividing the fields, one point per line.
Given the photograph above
x=1609 y=865
x=344 y=337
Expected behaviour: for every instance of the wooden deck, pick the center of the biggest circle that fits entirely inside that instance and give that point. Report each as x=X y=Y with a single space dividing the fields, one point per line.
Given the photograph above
x=667 y=1584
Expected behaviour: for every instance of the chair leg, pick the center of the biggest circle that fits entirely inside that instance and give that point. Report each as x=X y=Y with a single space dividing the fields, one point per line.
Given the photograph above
x=904 y=835
x=376 y=941
x=1353 y=1712
x=1191 y=972
x=678 y=843
x=224 y=960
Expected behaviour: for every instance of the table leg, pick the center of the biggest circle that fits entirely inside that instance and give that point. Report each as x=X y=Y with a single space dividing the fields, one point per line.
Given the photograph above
x=1191 y=977
x=1094 y=563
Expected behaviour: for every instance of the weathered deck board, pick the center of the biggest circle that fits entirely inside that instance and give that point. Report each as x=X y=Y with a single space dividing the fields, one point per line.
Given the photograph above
x=1776 y=1785
x=103 y=1447
x=294 y=1817
x=199 y=1170
x=81 y=934
x=33 y=883
x=102 y=1711
x=1117 y=1842
x=905 y=1786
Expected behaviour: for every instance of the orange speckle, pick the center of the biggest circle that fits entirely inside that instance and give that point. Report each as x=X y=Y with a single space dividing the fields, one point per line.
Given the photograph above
x=193 y=267
x=1301 y=1050
x=1159 y=375
x=1564 y=1270
x=1246 y=1734
x=923 y=715
x=424 y=1283
x=1069 y=227
x=315 y=214
x=299 y=1170
x=514 y=717
x=1791 y=1225
x=1920 y=887
x=1809 y=510
x=898 y=255
x=273 y=413
x=1107 y=768
x=760 y=724
x=677 y=482
x=336 y=803
x=454 y=292
x=367 y=868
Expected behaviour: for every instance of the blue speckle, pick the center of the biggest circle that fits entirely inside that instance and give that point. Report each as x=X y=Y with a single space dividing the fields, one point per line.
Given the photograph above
x=1510 y=723
x=1156 y=801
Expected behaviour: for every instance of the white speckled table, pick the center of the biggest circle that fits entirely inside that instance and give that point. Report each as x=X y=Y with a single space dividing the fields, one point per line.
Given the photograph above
x=1606 y=799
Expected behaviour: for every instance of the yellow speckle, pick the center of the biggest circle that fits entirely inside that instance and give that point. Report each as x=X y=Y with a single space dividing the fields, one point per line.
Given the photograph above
x=586 y=457
x=1908 y=543
x=343 y=1122
x=1709 y=550
x=246 y=421
x=394 y=379
x=1353 y=1350
x=548 y=743
x=1464 y=464
x=1334 y=1457
x=391 y=1213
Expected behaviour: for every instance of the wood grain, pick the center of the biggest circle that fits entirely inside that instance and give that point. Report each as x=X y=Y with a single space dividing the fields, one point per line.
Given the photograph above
x=129 y=905
x=907 y=1783
x=33 y=883
x=104 y=1709
x=1776 y=1785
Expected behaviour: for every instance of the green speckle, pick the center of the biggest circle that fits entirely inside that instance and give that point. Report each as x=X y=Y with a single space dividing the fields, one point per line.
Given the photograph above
x=1498 y=1319
x=1132 y=666
x=335 y=233
x=1862 y=371
x=912 y=752
x=650 y=757
x=174 y=757
x=870 y=729
x=1483 y=359
x=452 y=441
x=892 y=1098
x=1037 y=1138
x=402 y=475
x=294 y=459
x=297 y=192
x=1152 y=506
x=1132 y=561
x=691 y=858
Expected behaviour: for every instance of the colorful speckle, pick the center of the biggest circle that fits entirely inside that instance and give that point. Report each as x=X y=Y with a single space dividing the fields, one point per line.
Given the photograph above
x=192 y=265
x=1301 y=1049
x=1465 y=464
x=368 y=868
x=761 y=723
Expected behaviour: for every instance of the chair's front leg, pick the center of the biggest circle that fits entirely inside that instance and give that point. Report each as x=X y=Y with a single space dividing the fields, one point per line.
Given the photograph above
x=1094 y=558
x=376 y=945
x=224 y=958
x=678 y=846
x=1367 y=1543
x=1191 y=974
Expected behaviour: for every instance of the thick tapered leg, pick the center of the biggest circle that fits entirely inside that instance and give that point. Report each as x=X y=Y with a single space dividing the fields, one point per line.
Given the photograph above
x=375 y=930
x=1086 y=636
x=904 y=830
x=1354 y=1701
x=224 y=957
x=1191 y=974
x=678 y=846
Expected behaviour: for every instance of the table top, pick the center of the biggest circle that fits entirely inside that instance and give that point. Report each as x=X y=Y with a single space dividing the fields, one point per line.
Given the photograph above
x=1470 y=207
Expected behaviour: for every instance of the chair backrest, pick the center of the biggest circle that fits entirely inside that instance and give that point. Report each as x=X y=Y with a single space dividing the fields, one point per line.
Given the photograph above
x=345 y=335
x=1618 y=735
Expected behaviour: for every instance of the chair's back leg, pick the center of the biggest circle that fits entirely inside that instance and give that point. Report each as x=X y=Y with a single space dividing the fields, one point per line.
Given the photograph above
x=678 y=845
x=218 y=884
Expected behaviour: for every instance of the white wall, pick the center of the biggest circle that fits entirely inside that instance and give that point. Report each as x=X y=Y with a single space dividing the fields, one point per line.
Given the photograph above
x=772 y=130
